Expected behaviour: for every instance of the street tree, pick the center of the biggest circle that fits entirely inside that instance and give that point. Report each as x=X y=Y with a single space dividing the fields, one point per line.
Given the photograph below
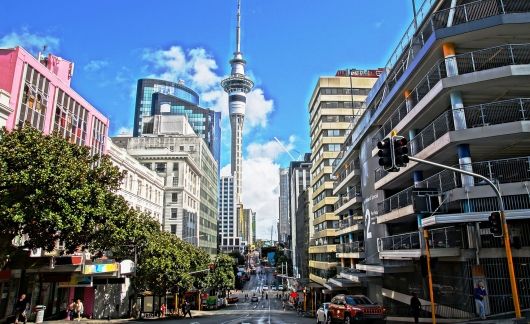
x=51 y=190
x=222 y=276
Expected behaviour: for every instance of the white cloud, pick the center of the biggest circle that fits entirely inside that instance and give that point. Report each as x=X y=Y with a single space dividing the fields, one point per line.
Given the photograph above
x=124 y=131
x=261 y=183
x=30 y=42
x=198 y=69
x=95 y=65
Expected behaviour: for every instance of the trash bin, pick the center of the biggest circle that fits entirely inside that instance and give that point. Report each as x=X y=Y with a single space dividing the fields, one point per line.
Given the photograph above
x=39 y=309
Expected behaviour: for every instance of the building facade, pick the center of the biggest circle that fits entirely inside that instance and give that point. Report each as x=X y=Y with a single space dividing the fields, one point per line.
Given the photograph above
x=457 y=90
x=160 y=97
x=304 y=231
x=299 y=182
x=5 y=109
x=284 y=232
x=190 y=176
x=335 y=103
x=40 y=94
x=246 y=230
x=142 y=188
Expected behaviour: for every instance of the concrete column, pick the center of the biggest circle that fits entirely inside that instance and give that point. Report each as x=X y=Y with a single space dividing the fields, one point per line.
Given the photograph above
x=413 y=149
x=457 y=105
x=350 y=237
x=408 y=100
x=464 y=160
x=450 y=59
x=417 y=176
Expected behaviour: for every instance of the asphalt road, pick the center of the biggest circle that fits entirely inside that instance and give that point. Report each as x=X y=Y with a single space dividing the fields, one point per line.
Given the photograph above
x=265 y=311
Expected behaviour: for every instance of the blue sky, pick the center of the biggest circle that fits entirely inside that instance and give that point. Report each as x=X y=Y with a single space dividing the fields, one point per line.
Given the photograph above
x=288 y=44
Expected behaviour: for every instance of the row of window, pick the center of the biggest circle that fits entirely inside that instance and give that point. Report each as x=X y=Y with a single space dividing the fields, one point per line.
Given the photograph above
x=345 y=91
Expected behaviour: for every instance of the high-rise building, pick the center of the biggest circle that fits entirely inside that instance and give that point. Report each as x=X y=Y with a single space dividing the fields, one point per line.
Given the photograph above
x=237 y=85
x=190 y=173
x=457 y=88
x=299 y=182
x=304 y=230
x=40 y=94
x=284 y=232
x=228 y=216
x=336 y=102
x=160 y=97
x=245 y=225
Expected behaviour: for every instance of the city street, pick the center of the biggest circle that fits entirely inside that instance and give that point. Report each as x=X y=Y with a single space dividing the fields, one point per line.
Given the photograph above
x=266 y=310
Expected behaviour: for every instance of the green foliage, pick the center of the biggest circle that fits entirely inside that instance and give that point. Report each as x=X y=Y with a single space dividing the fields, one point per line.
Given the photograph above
x=222 y=277
x=51 y=190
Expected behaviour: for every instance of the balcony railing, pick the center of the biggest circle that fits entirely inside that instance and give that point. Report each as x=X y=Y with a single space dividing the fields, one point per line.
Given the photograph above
x=494 y=113
x=505 y=55
x=353 y=247
x=350 y=221
x=353 y=192
x=500 y=171
x=446 y=237
x=477 y=10
x=351 y=271
x=346 y=171
x=406 y=241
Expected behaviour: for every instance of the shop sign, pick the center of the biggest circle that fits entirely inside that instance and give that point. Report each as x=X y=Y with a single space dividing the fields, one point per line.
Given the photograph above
x=100 y=268
x=77 y=280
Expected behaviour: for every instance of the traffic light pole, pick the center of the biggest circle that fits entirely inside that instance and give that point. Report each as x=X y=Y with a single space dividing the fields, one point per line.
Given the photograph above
x=506 y=234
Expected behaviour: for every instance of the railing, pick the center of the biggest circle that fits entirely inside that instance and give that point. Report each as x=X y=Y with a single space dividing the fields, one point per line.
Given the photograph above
x=349 y=270
x=505 y=55
x=353 y=247
x=500 y=171
x=350 y=221
x=352 y=193
x=406 y=241
x=346 y=171
x=477 y=10
x=446 y=237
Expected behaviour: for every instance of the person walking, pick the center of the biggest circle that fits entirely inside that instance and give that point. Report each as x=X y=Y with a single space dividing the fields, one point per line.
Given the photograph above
x=415 y=307
x=187 y=308
x=21 y=309
x=479 y=294
x=163 y=310
x=79 y=309
x=71 y=310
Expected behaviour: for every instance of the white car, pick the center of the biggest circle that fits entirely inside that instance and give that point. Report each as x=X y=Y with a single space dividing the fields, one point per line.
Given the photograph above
x=322 y=313
x=265 y=288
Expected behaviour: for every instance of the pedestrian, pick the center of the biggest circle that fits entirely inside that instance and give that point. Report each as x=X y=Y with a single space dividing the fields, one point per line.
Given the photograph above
x=21 y=309
x=79 y=309
x=71 y=310
x=163 y=310
x=415 y=307
x=187 y=308
x=479 y=294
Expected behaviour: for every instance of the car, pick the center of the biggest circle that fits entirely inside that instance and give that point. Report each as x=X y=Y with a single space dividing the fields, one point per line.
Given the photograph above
x=350 y=308
x=254 y=299
x=280 y=287
x=322 y=313
x=274 y=288
x=232 y=300
x=265 y=288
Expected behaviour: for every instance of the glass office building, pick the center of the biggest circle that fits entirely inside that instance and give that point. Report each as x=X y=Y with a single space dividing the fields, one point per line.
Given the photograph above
x=159 y=97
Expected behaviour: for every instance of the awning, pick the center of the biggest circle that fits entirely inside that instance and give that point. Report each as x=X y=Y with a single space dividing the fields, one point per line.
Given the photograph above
x=314 y=285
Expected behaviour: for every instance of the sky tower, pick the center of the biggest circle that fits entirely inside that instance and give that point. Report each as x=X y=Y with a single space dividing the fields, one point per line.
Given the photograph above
x=237 y=85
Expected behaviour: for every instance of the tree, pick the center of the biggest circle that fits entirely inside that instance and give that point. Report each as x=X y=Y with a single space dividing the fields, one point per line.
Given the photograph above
x=222 y=276
x=51 y=190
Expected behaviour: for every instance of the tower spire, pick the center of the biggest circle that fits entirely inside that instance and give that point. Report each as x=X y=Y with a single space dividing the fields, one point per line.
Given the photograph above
x=238 y=27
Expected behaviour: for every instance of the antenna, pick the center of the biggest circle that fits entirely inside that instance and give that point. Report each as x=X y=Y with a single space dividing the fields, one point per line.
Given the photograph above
x=238 y=27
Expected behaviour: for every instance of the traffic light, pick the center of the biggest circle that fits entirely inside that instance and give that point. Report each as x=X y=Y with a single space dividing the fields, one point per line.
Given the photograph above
x=386 y=155
x=495 y=223
x=401 y=151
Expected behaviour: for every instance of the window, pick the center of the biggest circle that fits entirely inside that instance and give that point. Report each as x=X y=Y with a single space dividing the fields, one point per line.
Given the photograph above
x=174 y=212
x=175 y=181
x=181 y=148
x=174 y=197
x=160 y=167
x=173 y=229
x=175 y=166
x=147 y=165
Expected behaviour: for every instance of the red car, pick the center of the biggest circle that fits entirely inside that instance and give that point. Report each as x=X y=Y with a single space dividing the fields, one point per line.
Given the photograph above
x=355 y=308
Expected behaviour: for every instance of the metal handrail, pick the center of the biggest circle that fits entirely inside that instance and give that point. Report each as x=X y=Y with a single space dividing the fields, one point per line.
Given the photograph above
x=404 y=241
x=352 y=193
x=479 y=60
x=346 y=171
x=502 y=171
x=446 y=237
x=350 y=221
x=353 y=247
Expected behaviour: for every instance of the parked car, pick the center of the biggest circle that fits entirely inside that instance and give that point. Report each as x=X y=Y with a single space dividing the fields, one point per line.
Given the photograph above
x=265 y=288
x=350 y=308
x=221 y=302
x=232 y=300
x=322 y=314
x=254 y=299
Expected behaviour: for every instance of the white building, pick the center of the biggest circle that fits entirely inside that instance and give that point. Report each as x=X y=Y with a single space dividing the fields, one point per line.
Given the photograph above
x=189 y=170
x=5 y=108
x=142 y=188
x=284 y=231
x=228 y=215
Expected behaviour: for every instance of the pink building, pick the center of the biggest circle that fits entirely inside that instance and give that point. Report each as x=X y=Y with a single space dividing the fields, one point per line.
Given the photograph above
x=38 y=91
x=41 y=95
